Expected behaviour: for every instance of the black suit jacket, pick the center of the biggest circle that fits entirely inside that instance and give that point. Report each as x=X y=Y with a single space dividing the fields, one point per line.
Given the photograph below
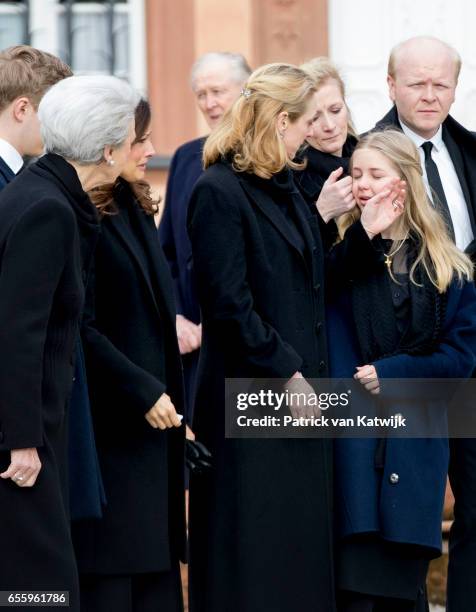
x=185 y=168
x=132 y=358
x=461 y=145
x=6 y=174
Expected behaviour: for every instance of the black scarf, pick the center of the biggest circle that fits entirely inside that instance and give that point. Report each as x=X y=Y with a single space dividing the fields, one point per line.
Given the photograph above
x=319 y=166
x=55 y=168
x=375 y=320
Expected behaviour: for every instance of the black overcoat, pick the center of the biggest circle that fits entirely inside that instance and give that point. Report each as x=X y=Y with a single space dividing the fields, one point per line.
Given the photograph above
x=132 y=357
x=260 y=523
x=41 y=297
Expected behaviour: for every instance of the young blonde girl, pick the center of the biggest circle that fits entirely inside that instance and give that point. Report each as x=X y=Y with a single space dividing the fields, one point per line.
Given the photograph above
x=411 y=315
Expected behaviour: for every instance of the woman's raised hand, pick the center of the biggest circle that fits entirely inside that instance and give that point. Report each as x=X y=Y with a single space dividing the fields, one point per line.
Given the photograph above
x=336 y=196
x=384 y=208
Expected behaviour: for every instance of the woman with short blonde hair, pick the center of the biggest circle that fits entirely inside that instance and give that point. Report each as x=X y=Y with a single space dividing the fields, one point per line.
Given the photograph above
x=325 y=179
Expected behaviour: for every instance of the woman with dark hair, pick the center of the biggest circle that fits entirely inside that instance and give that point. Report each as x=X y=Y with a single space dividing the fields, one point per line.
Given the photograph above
x=129 y=559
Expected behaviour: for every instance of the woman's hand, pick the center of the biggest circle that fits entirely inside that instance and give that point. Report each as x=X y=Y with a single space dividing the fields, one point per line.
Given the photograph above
x=189 y=335
x=384 y=208
x=367 y=376
x=162 y=415
x=25 y=465
x=300 y=406
x=336 y=196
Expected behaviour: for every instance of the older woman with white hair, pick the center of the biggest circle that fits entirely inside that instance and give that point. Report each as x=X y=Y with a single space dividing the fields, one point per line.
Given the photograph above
x=48 y=229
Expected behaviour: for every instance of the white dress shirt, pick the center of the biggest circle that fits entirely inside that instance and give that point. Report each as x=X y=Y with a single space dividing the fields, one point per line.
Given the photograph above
x=451 y=185
x=10 y=156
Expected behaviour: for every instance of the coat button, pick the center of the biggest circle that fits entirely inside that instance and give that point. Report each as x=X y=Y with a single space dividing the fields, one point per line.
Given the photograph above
x=318 y=327
x=394 y=478
x=322 y=366
x=317 y=286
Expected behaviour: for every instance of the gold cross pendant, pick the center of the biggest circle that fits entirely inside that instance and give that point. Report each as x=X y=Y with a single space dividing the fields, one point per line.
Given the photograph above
x=388 y=261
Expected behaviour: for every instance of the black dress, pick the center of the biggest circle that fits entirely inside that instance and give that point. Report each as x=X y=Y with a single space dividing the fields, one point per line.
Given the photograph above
x=132 y=358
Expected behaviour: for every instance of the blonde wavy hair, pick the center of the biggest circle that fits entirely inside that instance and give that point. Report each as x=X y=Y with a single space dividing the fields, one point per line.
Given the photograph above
x=248 y=132
x=322 y=70
x=441 y=260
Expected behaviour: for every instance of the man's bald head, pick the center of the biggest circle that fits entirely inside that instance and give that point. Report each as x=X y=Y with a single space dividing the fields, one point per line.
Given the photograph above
x=422 y=77
x=406 y=51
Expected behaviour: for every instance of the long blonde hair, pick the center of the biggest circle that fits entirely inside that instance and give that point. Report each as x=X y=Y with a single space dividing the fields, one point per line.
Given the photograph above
x=248 y=132
x=439 y=257
x=322 y=70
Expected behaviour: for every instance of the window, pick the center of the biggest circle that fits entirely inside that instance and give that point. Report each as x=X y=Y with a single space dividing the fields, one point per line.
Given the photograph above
x=13 y=23
x=94 y=37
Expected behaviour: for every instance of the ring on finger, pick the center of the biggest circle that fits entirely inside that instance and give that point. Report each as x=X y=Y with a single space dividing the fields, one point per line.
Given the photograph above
x=395 y=204
x=18 y=478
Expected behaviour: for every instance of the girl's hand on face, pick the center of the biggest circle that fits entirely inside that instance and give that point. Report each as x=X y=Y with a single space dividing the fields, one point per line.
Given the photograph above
x=384 y=208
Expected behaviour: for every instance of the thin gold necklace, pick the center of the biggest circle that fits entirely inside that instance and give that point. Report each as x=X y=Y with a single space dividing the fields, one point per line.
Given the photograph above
x=389 y=256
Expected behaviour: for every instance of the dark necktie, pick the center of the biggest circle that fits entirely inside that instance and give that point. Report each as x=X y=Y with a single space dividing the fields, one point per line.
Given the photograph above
x=434 y=180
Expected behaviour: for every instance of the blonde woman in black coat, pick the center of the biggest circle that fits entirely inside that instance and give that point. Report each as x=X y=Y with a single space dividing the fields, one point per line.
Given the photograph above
x=46 y=219
x=129 y=559
x=260 y=520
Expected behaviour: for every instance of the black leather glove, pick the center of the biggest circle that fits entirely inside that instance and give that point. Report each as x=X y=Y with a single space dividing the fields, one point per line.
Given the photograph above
x=197 y=457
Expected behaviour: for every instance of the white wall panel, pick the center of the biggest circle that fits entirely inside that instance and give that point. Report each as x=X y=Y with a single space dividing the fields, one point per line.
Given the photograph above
x=361 y=34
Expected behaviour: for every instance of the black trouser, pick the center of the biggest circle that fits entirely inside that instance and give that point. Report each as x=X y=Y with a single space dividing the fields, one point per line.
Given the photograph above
x=461 y=593
x=155 y=592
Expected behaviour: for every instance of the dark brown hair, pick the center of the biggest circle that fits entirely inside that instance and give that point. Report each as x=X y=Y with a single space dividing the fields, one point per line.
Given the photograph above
x=26 y=71
x=104 y=197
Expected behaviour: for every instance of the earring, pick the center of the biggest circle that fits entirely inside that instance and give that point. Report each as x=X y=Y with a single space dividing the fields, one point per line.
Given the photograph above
x=110 y=162
x=281 y=135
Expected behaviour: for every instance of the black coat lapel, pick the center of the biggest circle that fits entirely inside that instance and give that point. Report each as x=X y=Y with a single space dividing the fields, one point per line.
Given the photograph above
x=164 y=302
x=464 y=167
x=6 y=173
x=390 y=119
x=269 y=208
x=158 y=262
x=309 y=228
x=123 y=231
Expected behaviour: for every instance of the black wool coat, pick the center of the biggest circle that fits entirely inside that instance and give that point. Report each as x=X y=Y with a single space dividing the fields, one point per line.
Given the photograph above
x=260 y=522
x=132 y=357
x=41 y=297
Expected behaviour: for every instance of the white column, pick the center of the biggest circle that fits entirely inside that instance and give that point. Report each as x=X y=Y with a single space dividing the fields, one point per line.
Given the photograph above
x=44 y=25
x=137 y=46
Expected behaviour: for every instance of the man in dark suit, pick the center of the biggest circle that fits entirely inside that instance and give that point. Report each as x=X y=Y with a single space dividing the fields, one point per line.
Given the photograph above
x=422 y=78
x=25 y=75
x=217 y=79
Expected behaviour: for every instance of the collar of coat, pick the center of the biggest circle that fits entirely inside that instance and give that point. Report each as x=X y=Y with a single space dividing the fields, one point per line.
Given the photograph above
x=460 y=134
